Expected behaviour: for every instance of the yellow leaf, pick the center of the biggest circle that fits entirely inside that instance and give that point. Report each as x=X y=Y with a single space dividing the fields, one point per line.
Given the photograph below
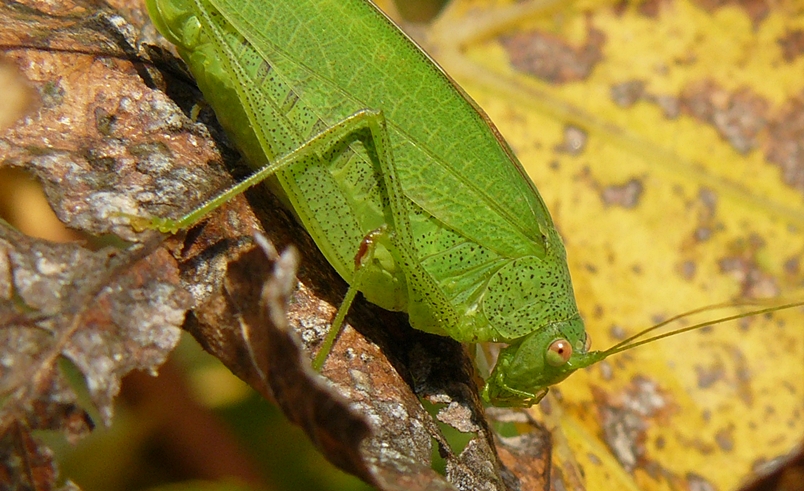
x=667 y=140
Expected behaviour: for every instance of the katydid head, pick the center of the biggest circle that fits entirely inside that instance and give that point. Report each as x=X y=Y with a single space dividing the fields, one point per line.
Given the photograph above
x=527 y=368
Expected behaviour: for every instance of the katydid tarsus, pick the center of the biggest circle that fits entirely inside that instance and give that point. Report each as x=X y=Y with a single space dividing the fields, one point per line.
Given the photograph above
x=402 y=181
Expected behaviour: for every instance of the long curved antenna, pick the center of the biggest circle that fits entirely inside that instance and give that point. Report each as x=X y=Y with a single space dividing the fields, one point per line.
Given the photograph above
x=632 y=343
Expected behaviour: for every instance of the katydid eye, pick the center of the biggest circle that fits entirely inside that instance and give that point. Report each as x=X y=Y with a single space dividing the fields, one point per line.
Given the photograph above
x=587 y=345
x=559 y=352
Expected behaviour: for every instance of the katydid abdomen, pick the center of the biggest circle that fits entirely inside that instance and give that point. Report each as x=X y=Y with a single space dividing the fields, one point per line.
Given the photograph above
x=465 y=246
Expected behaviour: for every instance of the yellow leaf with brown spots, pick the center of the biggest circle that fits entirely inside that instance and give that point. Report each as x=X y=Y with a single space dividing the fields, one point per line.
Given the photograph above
x=667 y=139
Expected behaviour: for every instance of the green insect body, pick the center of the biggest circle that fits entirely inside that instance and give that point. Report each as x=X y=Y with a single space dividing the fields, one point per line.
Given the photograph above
x=367 y=137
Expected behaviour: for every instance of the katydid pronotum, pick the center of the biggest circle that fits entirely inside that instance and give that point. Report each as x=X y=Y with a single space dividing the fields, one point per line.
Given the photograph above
x=404 y=184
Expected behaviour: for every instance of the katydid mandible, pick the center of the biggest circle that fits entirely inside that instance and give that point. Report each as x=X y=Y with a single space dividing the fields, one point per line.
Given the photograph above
x=388 y=164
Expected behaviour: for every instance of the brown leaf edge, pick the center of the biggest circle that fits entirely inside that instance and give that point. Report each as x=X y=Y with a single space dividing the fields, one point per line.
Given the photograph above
x=124 y=316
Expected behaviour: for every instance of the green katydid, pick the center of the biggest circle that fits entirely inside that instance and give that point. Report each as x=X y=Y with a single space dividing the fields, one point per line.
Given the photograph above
x=402 y=181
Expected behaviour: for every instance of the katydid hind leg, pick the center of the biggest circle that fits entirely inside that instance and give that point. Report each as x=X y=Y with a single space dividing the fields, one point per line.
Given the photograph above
x=369 y=127
x=318 y=144
x=427 y=306
x=396 y=235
